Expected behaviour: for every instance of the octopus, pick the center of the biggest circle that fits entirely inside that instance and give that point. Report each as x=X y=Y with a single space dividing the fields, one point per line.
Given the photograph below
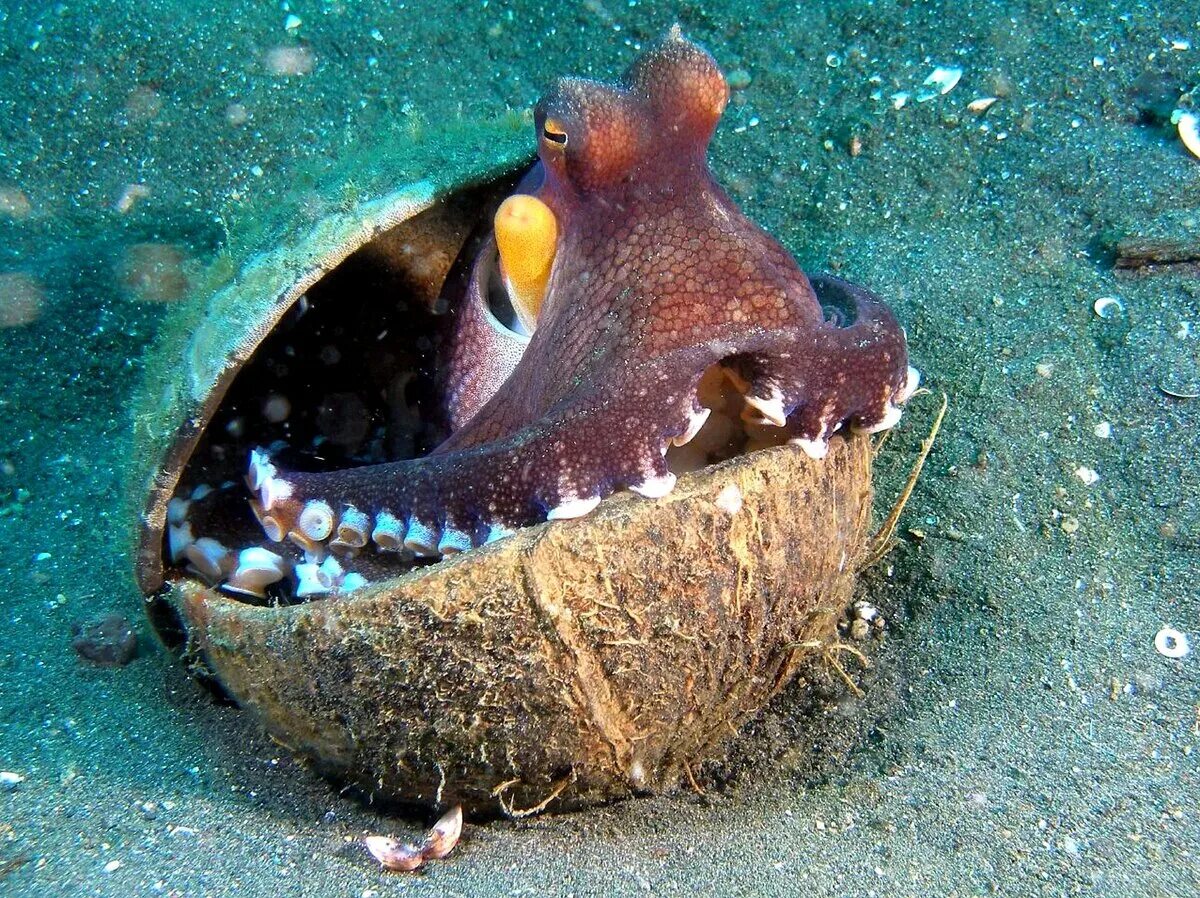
x=631 y=275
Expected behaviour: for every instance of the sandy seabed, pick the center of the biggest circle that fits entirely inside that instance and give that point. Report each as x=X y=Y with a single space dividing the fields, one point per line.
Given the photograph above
x=1020 y=733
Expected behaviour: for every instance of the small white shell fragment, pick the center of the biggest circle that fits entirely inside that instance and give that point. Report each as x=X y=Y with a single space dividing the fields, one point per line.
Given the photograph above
x=983 y=104
x=10 y=780
x=440 y=840
x=1087 y=475
x=1103 y=430
x=1188 y=125
x=941 y=81
x=394 y=855
x=900 y=99
x=1107 y=307
x=1170 y=643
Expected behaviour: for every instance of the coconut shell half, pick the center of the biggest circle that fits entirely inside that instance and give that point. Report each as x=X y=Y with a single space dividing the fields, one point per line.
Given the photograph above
x=573 y=663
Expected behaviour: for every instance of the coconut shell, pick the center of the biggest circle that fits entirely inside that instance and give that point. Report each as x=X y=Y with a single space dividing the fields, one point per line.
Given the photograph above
x=571 y=663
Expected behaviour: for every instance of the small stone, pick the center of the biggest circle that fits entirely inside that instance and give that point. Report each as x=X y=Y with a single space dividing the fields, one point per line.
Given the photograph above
x=1087 y=475
x=143 y=104
x=1070 y=524
x=236 y=114
x=9 y=780
x=109 y=641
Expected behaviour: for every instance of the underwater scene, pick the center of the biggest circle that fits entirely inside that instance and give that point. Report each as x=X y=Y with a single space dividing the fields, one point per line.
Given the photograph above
x=503 y=448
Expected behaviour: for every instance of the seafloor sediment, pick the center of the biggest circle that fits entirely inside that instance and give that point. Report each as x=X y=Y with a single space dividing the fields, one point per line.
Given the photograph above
x=1019 y=733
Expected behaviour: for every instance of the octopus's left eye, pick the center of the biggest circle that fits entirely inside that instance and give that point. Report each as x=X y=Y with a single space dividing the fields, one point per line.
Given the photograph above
x=554 y=133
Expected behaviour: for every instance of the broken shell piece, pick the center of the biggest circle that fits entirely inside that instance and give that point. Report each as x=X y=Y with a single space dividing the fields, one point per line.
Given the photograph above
x=940 y=81
x=440 y=840
x=1107 y=307
x=1188 y=125
x=1170 y=643
x=982 y=105
x=399 y=857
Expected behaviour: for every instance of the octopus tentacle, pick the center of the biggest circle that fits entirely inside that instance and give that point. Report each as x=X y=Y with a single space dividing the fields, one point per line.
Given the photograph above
x=852 y=369
x=557 y=468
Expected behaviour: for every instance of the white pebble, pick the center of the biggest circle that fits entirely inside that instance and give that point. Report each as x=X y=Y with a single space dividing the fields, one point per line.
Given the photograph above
x=1087 y=475
x=1107 y=306
x=112 y=866
x=10 y=780
x=1103 y=430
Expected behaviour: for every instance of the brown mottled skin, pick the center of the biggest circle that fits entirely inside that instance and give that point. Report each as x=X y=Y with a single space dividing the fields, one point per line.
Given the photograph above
x=657 y=277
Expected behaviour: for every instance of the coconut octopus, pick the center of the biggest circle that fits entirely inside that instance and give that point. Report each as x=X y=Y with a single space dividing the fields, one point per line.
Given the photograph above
x=631 y=274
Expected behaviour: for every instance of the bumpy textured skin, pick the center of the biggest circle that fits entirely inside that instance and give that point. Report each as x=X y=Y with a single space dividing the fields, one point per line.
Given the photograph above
x=657 y=276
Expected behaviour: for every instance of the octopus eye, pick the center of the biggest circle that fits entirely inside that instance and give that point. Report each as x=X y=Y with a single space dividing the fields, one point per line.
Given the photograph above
x=554 y=133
